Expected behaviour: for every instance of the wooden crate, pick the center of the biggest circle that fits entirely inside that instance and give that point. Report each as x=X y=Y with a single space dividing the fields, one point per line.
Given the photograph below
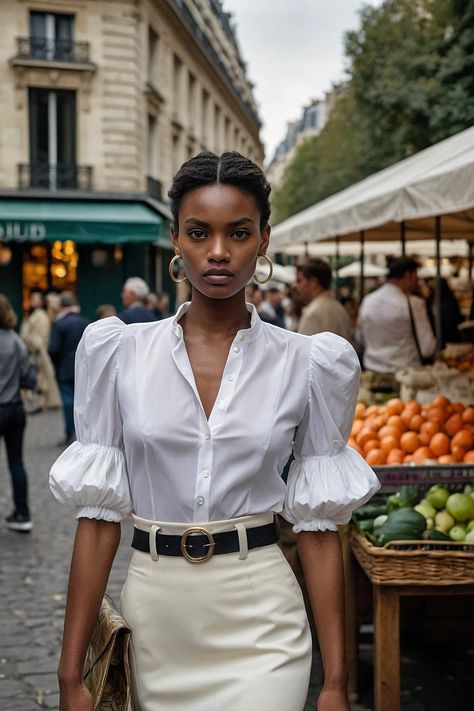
x=415 y=562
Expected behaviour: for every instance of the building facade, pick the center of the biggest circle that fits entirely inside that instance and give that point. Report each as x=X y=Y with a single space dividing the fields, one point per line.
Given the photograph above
x=101 y=102
x=311 y=122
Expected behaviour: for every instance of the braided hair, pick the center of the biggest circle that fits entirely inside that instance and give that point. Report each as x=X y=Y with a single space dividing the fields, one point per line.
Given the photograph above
x=231 y=168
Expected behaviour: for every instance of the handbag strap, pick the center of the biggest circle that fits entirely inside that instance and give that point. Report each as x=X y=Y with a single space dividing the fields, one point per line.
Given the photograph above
x=413 y=330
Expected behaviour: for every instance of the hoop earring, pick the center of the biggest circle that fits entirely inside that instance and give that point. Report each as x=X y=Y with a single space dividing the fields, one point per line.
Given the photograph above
x=171 y=270
x=270 y=274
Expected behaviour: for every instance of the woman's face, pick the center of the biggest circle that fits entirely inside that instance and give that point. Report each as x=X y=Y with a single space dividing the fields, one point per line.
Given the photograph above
x=219 y=239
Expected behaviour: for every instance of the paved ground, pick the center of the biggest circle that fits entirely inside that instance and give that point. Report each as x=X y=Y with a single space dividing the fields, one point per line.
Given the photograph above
x=33 y=578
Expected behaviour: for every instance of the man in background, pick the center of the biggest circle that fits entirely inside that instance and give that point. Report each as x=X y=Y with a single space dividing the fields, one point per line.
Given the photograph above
x=393 y=325
x=134 y=296
x=66 y=332
x=321 y=312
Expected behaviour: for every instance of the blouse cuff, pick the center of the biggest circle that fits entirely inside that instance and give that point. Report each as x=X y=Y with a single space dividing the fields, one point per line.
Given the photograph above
x=101 y=513
x=323 y=491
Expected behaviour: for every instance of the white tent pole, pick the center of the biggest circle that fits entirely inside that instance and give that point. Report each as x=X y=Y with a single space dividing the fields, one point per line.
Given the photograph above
x=438 y=285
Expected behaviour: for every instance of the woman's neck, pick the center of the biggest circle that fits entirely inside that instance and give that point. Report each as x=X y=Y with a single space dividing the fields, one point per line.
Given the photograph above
x=216 y=317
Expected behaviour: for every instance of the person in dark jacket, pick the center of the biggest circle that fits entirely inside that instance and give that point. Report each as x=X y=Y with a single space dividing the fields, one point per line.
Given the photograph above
x=451 y=315
x=66 y=332
x=134 y=296
x=16 y=371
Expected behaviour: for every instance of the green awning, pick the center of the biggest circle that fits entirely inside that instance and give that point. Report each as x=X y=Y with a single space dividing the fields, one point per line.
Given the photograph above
x=83 y=221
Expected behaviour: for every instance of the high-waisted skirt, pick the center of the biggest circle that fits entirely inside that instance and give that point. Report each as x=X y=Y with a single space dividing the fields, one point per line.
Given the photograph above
x=230 y=634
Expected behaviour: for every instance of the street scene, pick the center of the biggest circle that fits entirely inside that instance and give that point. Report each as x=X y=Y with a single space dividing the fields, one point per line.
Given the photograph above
x=237 y=304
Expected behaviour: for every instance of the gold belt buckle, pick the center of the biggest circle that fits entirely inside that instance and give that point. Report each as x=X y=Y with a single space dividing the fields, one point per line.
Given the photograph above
x=210 y=545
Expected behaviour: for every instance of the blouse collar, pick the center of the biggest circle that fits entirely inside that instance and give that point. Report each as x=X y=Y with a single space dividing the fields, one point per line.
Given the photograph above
x=245 y=333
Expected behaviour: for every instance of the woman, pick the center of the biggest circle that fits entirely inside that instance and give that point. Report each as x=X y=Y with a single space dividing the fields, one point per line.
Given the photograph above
x=188 y=423
x=35 y=331
x=16 y=372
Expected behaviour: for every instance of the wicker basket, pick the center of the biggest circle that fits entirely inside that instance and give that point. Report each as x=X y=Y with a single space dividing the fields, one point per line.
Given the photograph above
x=415 y=562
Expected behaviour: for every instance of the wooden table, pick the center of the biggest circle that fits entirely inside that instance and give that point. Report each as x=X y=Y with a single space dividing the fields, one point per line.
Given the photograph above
x=386 y=606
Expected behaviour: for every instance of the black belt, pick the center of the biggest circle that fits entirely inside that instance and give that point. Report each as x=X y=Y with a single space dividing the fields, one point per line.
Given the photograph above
x=198 y=545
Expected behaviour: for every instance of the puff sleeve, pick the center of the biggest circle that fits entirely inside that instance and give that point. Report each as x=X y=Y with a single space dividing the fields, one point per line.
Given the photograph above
x=328 y=480
x=91 y=474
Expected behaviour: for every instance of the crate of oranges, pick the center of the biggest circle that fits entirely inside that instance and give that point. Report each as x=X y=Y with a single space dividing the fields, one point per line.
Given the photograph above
x=399 y=433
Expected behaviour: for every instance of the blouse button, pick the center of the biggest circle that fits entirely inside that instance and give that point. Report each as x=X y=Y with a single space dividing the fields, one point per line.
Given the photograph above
x=200 y=500
x=236 y=349
x=230 y=378
x=242 y=337
x=208 y=436
x=205 y=474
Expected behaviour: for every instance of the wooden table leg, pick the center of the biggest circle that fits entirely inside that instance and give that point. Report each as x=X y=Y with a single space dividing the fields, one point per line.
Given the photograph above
x=387 y=648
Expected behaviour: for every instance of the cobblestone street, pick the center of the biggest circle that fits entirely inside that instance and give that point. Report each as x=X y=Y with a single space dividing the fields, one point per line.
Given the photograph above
x=33 y=579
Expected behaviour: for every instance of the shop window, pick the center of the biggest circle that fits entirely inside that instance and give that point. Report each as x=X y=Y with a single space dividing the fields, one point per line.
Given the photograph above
x=50 y=267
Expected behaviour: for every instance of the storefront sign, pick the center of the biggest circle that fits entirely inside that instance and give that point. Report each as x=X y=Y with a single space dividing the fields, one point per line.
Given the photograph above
x=23 y=232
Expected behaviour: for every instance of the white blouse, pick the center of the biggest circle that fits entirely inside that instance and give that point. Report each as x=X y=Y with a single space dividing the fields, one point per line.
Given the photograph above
x=144 y=443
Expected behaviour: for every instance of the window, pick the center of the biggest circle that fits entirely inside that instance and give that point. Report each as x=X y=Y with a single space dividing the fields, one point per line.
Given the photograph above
x=206 y=100
x=192 y=101
x=52 y=116
x=51 y=36
x=177 y=84
x=217 y=130
x=153 y=47
x=153 y=162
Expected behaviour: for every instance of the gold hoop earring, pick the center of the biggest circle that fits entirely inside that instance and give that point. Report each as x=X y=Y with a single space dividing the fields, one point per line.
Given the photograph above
x=171 y=270
x=270 y=274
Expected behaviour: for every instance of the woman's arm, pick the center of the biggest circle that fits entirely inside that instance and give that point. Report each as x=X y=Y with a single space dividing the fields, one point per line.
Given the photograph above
x=94 y=551
x=321 y=558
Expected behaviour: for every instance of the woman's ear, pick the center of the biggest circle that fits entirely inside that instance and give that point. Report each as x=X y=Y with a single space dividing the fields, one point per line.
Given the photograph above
x=174 y=238
x=264 y=240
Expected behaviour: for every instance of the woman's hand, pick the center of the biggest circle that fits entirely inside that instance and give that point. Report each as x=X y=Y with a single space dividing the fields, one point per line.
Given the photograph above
x=333 y=700
x=75 y=698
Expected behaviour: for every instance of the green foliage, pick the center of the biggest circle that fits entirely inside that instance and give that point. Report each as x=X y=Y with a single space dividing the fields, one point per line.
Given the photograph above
x=411 y=69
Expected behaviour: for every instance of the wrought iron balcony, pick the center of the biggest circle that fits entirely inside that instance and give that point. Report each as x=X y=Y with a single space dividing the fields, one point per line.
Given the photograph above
x=154 y=188
x=64 y=176
x=49 y=50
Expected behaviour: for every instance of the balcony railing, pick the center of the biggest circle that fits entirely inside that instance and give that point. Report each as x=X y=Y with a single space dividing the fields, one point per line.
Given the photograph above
x=63 y=176
x=49 y=50
x=154 y=188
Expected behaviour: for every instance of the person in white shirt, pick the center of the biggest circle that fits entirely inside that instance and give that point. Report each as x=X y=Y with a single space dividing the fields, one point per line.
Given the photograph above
x=322 y=311
x=186 y=424
x=391 y=338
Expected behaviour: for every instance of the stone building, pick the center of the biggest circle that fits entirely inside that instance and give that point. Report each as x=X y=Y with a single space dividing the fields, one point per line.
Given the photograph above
x=101 y=101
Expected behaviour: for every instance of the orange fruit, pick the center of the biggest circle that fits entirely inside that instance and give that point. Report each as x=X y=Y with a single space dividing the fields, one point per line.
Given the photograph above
x=458 y=453
x=359 y=411
x=469 y=457
x=437 y=414
x=440 y=444
x=409 y=441
x=463 y=438
x=364 y=435
x=458 y=407
x=375 y=457
x=396 y=421
x=416 y=421
x=431 y=428
x=388 y=443
x=396 y=456
x=468 y=415
x=446 y=459
x=357 y=425
x=371 y=444
x=352 y=443
x=421 y=454
x=413 y=405
x=406 y=415
x=395 y=406
x=372 y=410
x=408 y=458
x=389 y=431
x=440 y=401
x=380 y=421
x=453 y=424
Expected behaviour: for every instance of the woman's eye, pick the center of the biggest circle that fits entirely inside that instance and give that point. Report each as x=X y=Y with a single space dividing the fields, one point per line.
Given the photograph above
x=240 y=234
x=197 y=234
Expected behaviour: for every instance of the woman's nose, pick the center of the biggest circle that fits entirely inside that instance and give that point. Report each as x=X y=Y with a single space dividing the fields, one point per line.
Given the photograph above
x=218 y=251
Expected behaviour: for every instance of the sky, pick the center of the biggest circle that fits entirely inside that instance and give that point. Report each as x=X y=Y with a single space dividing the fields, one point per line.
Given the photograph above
x=294 y=51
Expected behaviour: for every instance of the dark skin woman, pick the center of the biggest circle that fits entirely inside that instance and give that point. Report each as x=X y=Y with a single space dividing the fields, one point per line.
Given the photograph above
x=219 y=235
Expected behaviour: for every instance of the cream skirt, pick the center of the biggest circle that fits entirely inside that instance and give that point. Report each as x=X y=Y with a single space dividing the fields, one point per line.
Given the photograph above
x=230 y=634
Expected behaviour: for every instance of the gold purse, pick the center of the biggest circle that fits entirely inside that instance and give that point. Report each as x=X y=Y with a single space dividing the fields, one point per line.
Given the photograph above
x=107 y=663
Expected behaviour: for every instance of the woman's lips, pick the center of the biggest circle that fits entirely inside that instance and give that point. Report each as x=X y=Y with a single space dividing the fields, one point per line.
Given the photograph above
x=215 y=278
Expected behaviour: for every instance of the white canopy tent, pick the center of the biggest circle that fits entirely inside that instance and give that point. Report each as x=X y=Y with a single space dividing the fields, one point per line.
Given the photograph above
x=354 y=268
x=403 y=198
x=421 y=248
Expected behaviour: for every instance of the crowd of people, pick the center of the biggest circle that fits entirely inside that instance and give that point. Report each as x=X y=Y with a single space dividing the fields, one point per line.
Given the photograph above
x=393 y=328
